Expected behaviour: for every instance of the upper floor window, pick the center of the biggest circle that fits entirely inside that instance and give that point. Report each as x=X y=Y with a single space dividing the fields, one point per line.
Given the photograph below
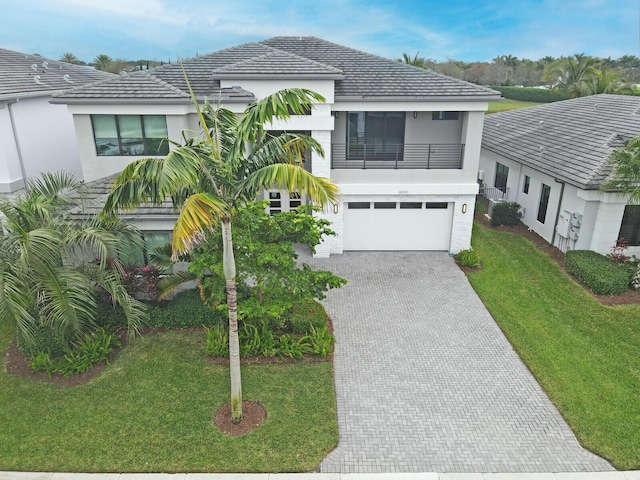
x=445 y=115
x=118 y=135
x=375 y=135
x=525 y=186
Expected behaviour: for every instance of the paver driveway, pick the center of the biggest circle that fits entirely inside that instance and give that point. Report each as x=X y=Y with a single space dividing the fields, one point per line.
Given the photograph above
x=426 y=381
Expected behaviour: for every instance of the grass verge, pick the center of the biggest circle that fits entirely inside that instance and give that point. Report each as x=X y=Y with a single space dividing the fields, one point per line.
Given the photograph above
x=585 y=355
x=152 y=411
x=507 y=104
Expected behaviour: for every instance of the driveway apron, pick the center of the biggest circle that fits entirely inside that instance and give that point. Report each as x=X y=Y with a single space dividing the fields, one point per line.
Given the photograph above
x=426 y=381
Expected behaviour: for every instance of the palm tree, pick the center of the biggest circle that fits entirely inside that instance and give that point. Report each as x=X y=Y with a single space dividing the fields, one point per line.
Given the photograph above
x=605 y=80
x=70 y=58
x=416 y=61
x=209 y=177
x=569 y=74
x=102 y=61
x=42 y=284
x=626 y=174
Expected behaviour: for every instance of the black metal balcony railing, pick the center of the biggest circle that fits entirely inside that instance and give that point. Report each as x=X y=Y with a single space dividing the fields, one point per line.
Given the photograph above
x=405 y=156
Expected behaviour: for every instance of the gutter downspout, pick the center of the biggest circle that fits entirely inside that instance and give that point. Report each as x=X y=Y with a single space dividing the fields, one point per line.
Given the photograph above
x=555 y=226
x=17 y=140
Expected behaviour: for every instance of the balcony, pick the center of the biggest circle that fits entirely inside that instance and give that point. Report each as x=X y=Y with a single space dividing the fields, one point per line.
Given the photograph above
x=397 y=156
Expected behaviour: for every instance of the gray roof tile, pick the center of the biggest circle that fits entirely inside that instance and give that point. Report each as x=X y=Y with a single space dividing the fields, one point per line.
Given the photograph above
x=358 y=75
x=22 y=74
x=569 y=140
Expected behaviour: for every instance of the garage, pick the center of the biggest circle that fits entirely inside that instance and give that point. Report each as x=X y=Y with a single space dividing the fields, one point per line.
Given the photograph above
x=391 y=225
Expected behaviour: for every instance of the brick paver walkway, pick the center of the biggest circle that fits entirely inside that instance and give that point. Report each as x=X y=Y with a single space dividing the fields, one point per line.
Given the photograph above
x=426 y=381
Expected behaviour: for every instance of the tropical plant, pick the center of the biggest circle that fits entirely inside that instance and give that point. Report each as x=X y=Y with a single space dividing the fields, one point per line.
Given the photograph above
x=70 y=58
x=210 y=176
x=416 y=60
x=605 y=80
x=102 y=61
x=569 y=74
x=44 y=285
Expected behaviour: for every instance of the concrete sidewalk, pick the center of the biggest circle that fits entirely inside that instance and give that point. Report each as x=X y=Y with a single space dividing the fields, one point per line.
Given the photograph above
x=631 y=475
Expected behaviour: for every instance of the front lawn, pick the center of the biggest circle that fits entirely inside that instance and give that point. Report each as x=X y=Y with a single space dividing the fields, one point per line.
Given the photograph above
x=151 y=411
x=585 y=355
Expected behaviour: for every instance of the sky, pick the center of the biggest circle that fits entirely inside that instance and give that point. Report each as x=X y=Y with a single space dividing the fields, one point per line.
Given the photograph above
x=467 y=30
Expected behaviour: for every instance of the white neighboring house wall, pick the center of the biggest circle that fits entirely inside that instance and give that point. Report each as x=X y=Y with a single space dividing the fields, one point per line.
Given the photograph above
x=37 y=137
x=601 y=213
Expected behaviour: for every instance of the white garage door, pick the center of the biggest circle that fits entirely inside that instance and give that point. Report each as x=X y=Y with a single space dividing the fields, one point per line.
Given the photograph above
x=397 y=225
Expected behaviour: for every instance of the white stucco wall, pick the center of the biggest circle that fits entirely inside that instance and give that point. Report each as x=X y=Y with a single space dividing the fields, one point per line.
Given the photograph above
x=38 y=134
x=601 y=212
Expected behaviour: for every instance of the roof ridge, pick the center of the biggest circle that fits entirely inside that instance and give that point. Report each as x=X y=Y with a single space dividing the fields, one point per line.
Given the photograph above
x=277 y=51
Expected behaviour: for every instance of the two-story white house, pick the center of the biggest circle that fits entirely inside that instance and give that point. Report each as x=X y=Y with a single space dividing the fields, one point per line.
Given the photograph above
x=36 y=135
x=402 y=143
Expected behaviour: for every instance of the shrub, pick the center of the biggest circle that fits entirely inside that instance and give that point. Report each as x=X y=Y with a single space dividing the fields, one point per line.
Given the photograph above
x=506 y=213
x=319 y=341
x=88 y=351
x=185 y=310
x=468 y=258
x=217 y=344
x=599 y=273
x=538 y=95
x=304 y=315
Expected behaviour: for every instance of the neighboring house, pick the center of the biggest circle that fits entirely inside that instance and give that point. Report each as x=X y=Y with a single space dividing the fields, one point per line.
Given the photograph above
x=36 y=135
x=401 y=142
x=553 y=159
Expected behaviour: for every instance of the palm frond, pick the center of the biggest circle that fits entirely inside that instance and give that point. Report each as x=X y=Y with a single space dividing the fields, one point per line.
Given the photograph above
x=169 y=283
x=292 y=178
x=200 y=212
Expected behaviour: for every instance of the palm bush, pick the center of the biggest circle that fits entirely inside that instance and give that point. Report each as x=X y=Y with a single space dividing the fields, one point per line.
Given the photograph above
x=46 y=289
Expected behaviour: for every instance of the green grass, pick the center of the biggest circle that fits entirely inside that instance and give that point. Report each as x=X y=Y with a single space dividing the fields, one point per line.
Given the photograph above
x=152 y=410
x=585 y=355
x=507 y=104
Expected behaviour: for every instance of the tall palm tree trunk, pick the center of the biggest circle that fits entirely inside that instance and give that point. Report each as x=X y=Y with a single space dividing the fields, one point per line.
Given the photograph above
x=229 y=268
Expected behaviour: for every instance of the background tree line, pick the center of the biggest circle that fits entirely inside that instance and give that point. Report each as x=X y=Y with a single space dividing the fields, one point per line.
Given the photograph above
x=107 y=64
x=575 y=76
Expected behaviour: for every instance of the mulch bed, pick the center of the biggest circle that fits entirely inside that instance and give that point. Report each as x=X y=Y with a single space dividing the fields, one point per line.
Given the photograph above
x=253 y=416
x=630 y=297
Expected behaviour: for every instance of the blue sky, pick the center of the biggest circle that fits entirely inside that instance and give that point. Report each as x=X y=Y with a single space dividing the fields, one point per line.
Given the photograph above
x=466 y=30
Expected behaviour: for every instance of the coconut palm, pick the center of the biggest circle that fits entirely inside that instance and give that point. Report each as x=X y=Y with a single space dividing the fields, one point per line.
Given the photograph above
x=210 y=176
x=416 y=60
x=43 y=284
x=626 y=174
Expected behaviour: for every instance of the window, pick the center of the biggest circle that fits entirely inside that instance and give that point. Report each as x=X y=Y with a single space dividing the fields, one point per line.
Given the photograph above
x=445 y=115
x=121 y=135
x=139 y=254
x=358 y=205
x=295 y=200
x=375 y=135
x=544 y=202
x=275 y=202
x=411 y=205
x=630 y=227
x=440 y=205
x=502 y=173
x=527 y=181
x=384 y=204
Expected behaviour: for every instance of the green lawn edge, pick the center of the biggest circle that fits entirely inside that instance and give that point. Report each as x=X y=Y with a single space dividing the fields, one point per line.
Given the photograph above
x=152 y=410
x=586 y=356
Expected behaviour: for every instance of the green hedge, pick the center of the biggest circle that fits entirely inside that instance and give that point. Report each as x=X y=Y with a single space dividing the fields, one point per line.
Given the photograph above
x=599 y=273
x=506 y=213
x=184 y=310
x=524 y=94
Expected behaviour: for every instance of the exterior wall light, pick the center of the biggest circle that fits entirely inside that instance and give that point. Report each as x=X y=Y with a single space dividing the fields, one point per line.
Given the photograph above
x=415 y=114
x=336 y=114
x=464 y=208
x=335 y=208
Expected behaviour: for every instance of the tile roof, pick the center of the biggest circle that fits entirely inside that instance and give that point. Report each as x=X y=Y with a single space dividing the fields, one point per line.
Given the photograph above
x=358 y=75
x=31 y=75
x=569 y=140
x=96 y=192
